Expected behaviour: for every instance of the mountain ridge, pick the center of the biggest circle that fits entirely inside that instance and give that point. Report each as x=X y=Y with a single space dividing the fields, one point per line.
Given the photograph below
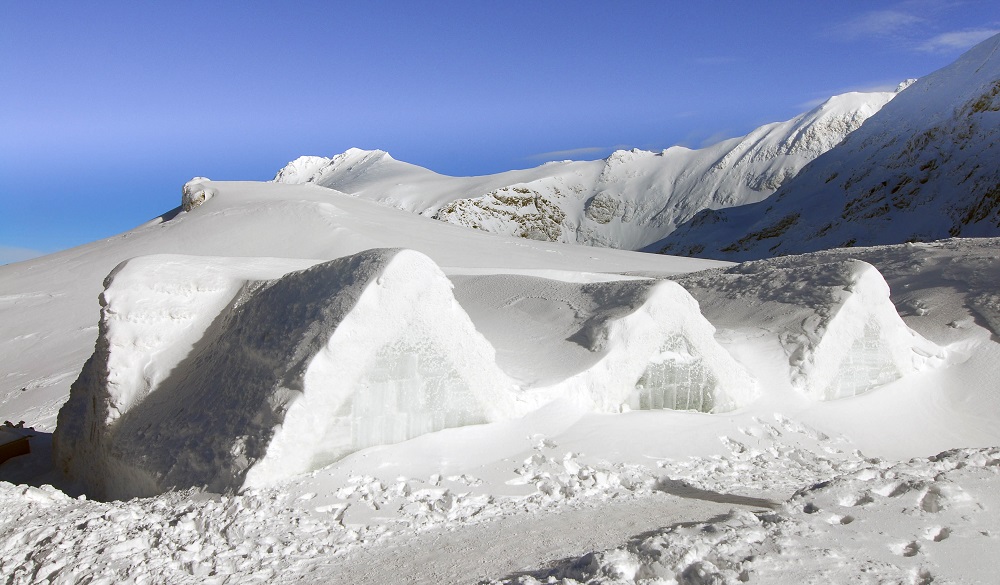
x=628 y=200
x=922 y=168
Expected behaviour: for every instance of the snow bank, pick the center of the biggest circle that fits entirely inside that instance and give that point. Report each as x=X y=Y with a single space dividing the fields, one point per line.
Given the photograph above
x=835 y=320
x=195 y=192
x=658 y=352
x=203 y=375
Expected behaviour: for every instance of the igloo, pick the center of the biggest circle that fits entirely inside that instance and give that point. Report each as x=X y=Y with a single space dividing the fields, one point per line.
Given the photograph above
x=607 y=345
x=834 y=318
x=661 y=354
x=859 y=342
x=207 y=374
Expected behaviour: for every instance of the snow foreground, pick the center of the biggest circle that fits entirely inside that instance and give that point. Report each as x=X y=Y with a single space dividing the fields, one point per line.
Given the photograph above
x=204 y=377
x=831 y=532
x=631 y=199
x=857 y=519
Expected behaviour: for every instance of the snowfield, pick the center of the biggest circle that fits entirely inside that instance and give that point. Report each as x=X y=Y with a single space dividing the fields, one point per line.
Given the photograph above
x=285 y=383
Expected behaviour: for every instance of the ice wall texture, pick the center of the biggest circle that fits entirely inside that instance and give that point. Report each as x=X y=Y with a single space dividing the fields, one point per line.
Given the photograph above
x=834 y=319
x=269 y=378
x=664 y=355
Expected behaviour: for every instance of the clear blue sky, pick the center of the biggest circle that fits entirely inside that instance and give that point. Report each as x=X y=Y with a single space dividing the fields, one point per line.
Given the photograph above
x=107 y=108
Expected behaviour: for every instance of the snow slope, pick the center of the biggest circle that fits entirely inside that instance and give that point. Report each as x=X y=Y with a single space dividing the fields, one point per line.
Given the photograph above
x=629 y=200
x=923 y=168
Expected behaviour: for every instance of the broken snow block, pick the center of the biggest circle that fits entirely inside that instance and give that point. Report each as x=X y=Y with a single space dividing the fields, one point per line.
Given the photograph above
x=195 y=192
x=288 y=375
x=659 y=353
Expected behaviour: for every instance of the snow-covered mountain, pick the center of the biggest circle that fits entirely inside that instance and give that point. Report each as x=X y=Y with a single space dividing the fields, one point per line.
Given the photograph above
x=924 y=167
x=628 y=200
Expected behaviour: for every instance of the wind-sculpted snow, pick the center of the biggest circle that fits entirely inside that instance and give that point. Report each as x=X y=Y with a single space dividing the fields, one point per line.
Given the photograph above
x=834 y=319
x=923 y=168
x=228 y=381
x=629 y=200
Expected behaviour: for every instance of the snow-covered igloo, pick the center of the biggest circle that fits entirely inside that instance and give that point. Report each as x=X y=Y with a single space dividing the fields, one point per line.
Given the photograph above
x=858 y=342
x=834 y=318
x=606 y=343
x=213 y=372
x=660 y=354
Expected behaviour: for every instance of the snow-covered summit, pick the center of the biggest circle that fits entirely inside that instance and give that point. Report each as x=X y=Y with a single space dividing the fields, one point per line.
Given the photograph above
x=627 y=200
x=318 y=169
x=923 y=168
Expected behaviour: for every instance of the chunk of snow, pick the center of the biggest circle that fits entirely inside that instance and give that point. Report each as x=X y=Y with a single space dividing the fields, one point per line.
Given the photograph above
x=195 y=192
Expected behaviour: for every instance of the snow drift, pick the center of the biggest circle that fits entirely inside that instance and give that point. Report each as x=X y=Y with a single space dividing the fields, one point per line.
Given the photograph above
x=202 y=376
x=834 y=319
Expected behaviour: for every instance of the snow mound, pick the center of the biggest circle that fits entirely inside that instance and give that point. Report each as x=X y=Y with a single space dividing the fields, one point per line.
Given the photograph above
x=835 y=321
x=195 y=192
x=220 y=379
x=658 y=352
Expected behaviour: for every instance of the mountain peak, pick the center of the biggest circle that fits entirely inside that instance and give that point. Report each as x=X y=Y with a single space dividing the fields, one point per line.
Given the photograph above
x=309 y=169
